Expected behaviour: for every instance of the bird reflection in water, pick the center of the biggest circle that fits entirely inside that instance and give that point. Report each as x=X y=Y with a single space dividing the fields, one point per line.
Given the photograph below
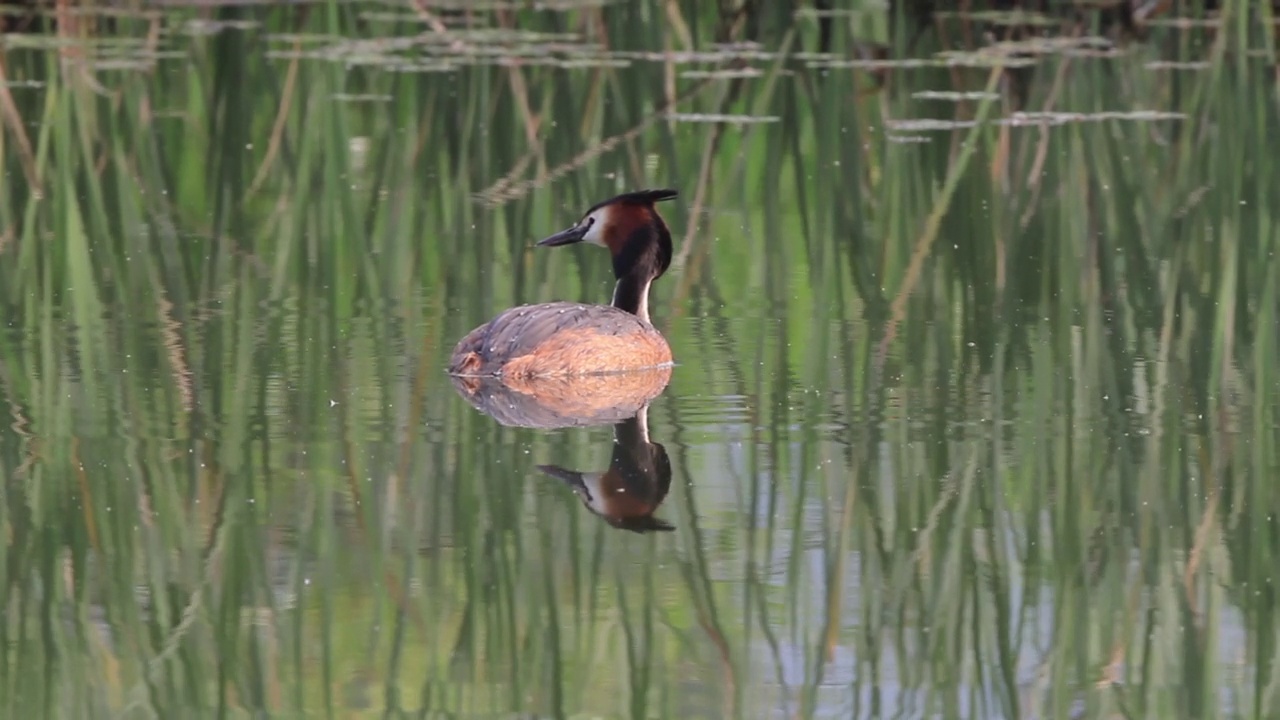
x=549 y=403
x=637 y=481
x=639 y=475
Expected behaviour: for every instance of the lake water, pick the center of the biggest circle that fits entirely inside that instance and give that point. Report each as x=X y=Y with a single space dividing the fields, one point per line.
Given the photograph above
x=974 y=411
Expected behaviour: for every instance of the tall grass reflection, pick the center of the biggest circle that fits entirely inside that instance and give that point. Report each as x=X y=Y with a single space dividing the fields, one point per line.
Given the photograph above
x=975 y=316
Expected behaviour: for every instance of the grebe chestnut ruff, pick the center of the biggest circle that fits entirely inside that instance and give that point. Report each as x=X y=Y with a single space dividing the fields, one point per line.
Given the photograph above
x=566 y=338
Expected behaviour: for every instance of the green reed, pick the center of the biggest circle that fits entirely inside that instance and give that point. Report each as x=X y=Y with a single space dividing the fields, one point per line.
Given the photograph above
x=237 y=482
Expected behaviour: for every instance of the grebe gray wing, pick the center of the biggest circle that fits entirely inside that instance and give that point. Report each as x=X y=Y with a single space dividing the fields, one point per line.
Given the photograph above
x=521 y=331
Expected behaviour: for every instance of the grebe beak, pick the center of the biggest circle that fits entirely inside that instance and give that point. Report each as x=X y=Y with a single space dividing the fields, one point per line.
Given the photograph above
x=564 y=237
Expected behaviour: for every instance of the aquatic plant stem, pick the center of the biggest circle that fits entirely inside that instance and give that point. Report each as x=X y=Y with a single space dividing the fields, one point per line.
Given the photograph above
x=898 y=308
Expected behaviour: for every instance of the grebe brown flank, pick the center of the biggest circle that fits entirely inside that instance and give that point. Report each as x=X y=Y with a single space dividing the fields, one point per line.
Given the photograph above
x=566 y=338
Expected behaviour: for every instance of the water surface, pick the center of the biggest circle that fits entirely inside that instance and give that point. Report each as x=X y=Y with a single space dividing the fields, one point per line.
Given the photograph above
x=973 y=415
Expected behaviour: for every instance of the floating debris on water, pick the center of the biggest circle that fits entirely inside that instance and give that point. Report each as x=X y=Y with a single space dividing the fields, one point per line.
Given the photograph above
x=348 y=48
x=957 y=95
x=494 y=36
x=530 y=52
x=57 y=42
x=923 y=124
x=291 y=38
x=908 y=138
x=1046 y=45
x=1061 y=118
x=122 y=64
x=1186 y=23
x=817 y=57
x=406 y=67
x=141 y=53
x=86 y=11
x=578 y=63
x=1177 y=65
x=726 y=74
x=696 y=56
x=986 y=59
x=814 y=13
x=1037 y=119
x=871 y=64
x=356 y=97
x=198 y=27
x=391 y=16
x=957 y=59
x=1003 y=17
x=714 y=118
x=451 y=49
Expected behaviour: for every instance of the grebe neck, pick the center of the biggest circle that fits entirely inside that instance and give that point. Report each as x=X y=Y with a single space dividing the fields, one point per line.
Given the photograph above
x=634 y=431
x=632 y=295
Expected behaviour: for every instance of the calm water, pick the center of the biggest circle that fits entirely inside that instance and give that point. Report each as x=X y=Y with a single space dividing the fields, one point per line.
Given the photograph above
x=970 y=418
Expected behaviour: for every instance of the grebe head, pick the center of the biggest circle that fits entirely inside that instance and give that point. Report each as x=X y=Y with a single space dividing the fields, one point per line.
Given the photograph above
x=632 y=230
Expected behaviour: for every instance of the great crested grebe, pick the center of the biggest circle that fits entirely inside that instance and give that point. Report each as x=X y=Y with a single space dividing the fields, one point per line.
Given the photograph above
x=567 y=338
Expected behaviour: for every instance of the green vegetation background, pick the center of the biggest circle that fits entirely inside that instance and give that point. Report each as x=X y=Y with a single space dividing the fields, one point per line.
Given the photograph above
x=977 y=420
